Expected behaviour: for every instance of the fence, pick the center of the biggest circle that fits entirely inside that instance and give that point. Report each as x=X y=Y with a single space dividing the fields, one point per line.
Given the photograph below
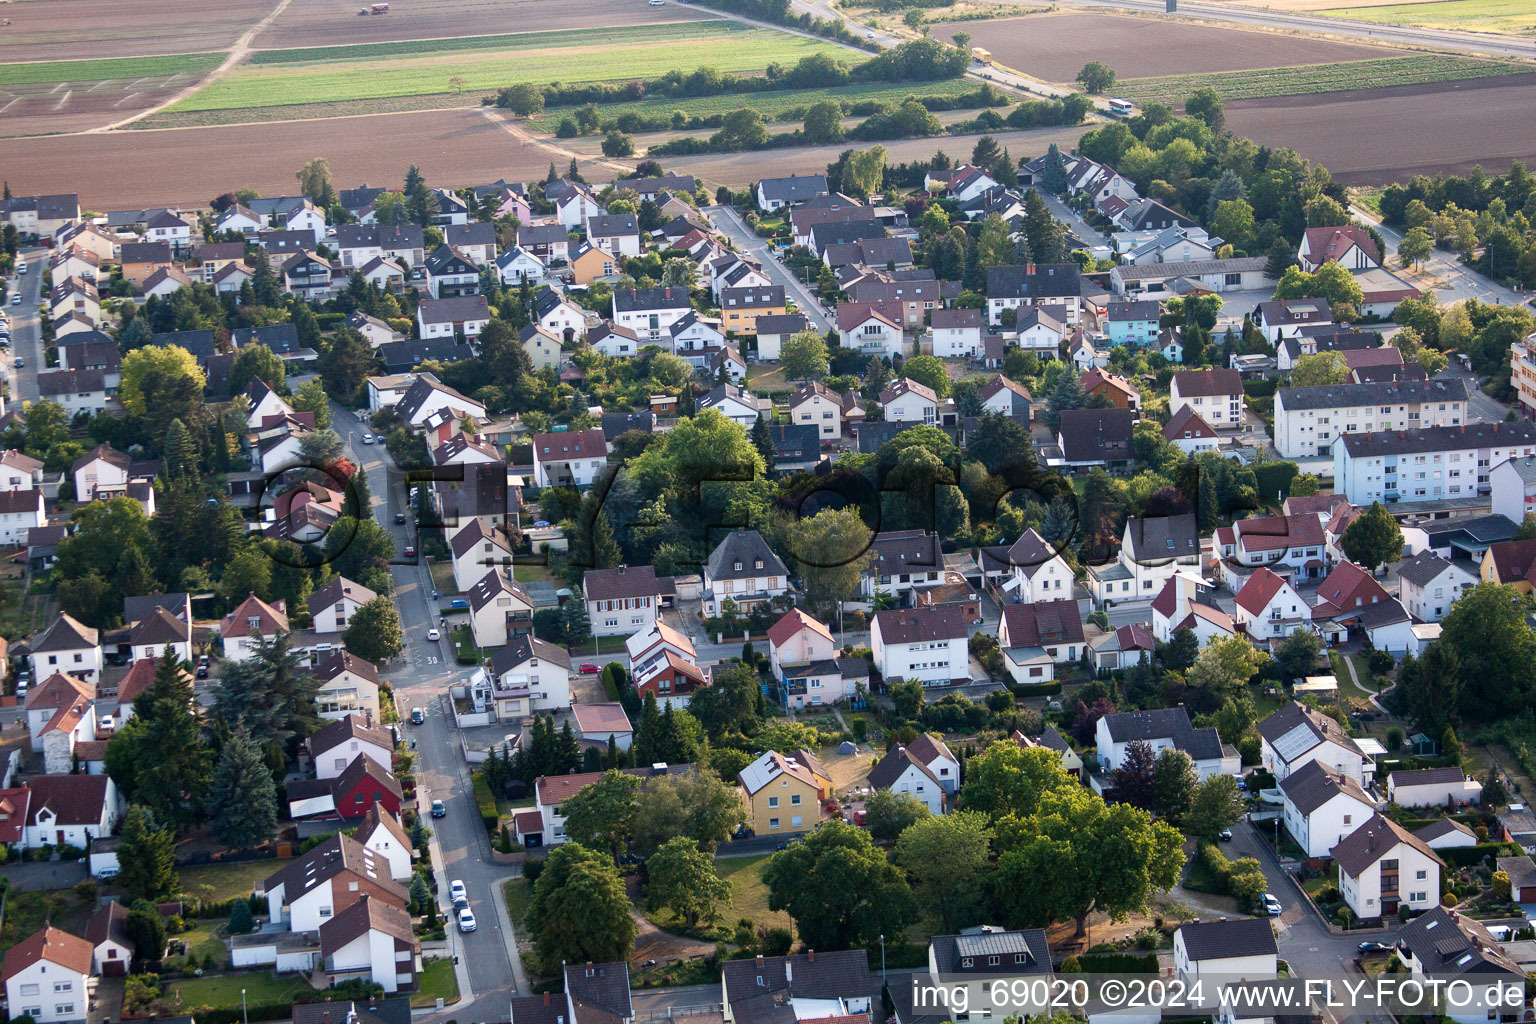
x=669 y=1012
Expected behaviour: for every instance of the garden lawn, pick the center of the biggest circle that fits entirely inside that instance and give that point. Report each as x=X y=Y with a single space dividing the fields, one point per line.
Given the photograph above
x=519 y=895
x=726 y=46
x=749 y=896
x=223 y=992
x=770 y=104
x=437 y=981
x=1308 y=79
x=214 y=883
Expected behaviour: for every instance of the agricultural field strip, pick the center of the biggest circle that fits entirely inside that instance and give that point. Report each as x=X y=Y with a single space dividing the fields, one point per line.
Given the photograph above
x=770 y=104
x=1319 y=78
x=106 y=69
x=1500 y=16
x=281 y=84
x=509 y=41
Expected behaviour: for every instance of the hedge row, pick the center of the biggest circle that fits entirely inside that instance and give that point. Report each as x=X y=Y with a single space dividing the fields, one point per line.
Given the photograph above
x=1463 y=856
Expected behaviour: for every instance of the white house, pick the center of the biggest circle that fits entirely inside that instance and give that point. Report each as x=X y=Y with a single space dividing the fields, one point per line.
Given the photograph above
x=732 y=402
x=743 y=569
x=903 y=560
x=1019 y=287
x=1270 y=609
x=1350 y=246
x=1287 y=318
x=867 y=328
x=477 y=547
x=461 y=316
x=900 y=772
x=348 y=686
x=803 y=659
x=1226 y=949
x=559 y=315
x=20 y=472
x=907 y=401
x=499 y=609
x=1307 y=419
x=382 y=833
x=817 y=405
x=20 y=511
x=1434 y=787
x=517 y=265
x=1152 y=549
x=48 y=977
x=1217 y=395
x=1039 y=331
x=71 y=809
x=428 y=397
x=1430 y=463
x=929 y=644
x=333 y=605
x=650 y=312
x=243 y=629
x=317 y=886
x=1163 y=729
x=111 y=944
x=570 y=458
x=68 y=646
x=1189 y=433
x=956 y=333
x=333 y=746
x=625 y=600
x=1297 y=734
x=1322 y=807
x=529 y=672
x=1037 y=571
x=575 y=206
x=1429 y=585
x=1383 y=866
x=372 y=939
x=1037 y=636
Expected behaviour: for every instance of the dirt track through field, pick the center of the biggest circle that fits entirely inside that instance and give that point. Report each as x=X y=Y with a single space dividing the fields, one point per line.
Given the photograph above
x=237 y=54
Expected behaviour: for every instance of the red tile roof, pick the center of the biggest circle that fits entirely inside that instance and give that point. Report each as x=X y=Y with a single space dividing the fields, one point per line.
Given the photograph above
x=1206 y=383
x=1324 y=244
x=13 y=813
x=793 y=621
x=271 y=619
x=1271 y=533
x=57 y=947
x=1260 y=589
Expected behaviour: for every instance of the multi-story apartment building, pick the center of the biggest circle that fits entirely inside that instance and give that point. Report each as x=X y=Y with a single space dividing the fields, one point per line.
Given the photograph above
x=1308 y=419
x=1427 y=463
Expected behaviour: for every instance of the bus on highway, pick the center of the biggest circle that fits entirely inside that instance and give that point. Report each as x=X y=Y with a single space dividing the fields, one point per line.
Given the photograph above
x=1121 y=108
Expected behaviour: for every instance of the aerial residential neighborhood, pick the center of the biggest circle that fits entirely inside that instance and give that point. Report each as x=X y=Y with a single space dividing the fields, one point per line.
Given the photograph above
x=885 y=516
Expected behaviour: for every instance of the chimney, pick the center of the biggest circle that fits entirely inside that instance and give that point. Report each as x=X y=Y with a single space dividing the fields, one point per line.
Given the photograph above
x=789 y=972
x=325 y=1016
x=546 y=998
x=759 y=961
x=810 y=956
x=373 y=1002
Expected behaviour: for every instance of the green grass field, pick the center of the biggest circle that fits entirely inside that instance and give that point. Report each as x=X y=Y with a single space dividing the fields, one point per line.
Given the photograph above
x=218 y=882
x=103 y=70
x=224 y=991
x=1319 y=78
x=749 y=896
x=437 y=981
x=509 y=41
x=616 y=57
x=769 y=104
x=1515 y=17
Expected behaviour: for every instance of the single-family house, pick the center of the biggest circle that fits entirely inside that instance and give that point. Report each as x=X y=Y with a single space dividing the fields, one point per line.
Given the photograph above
x=1383 y=866
x=783 y=794
x=1429 y=585
x=1038 y=636
x=1322 y=807
x=47 y=977
x=625 y=600
x=929 y=644
x=1298 y=734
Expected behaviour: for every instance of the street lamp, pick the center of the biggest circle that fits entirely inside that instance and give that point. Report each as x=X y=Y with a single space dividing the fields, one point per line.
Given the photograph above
x=244 y=1019
x=882 y=958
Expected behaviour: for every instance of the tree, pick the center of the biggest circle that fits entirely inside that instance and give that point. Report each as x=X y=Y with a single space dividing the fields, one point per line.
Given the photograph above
x=803 y=356
x=617 y=144
x=345 y=363
x=1007 y=780
x=1488 y=651
x=700 y=807
x=420 y=202
x=1136 y=777
x=158 y=363
x=1297 y=654
x=1374 y=538
x=1097 y=77
x=1054 y=177
x=907 y=698
x=1066 y=393
x=1320 y=368
x=1205 y=103
x=579 y=911
x=864 y=171
x=312 y=398
x=1173 y=784
x=146 y=857
x=1279 y=257
x=888 y=814
x=179 y=455
x=375 y=634
x=146 y=930
x=930 y=372
x=1416 y=247
x=1076 y=855
x=602 y=815
x=524 y=99
x=315 y=180
x=1217 y=804
x=1234 y=222
x=683 y=879
x=823 y=123
x=1225 y=664
x=915 y=18
x=840 y=890
x=320 y=448
x=999 y=442
x=172 y=766
x=830 y=550
x=947 y=858
x=243 y=804
x=241 y=920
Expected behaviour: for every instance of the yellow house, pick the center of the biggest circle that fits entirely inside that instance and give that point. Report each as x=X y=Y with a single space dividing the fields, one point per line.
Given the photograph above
x=783 y=794
x=1511 y=562
x=588 y=263
x=740 y=307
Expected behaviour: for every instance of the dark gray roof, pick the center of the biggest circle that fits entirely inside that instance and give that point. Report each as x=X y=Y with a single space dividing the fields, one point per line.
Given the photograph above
x=402 y=356
x=795 y=442
x=1454 y=944
x=1164 y=723
x=1216 y=940
x=1313 y=785
x=608 y=225
x=1144 y=309
x=446 y=260
x=473 y=233
x=923 y=624
x=898 y=551
x=1154 y=537
x=199 y=343
x=521 y=648
x=601 y=986
x=280 y=338
x=772 y=295
x=836 y=231
x=794 y=189
x=454 y=310
x=637 y=299
x=1374 y=840
x=1097 y=435
x=1033 y=281
x=894 y=764
x=1429 y=776
x=1330 y=396
x=821 y=975
x=1422 y=568
x=1341 y=341
x=747 y=548
x=1439 y=439
x=950 y=950
x=147 y=252
x=616 y=423
x=542 y=234
x=370 y=1011
x=1320 y=725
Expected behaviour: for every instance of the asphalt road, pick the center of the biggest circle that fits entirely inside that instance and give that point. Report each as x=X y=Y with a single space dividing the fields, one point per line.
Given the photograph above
x=26 y=328
x=489 y=970
x=729 y=223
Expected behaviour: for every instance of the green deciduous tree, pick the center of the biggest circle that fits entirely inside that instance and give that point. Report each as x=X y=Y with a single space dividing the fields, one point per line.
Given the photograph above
x=1173 y=784
x=1318 y=369
x=1489 y=653
x=840 y=890
x=683 y=879
x=830 y=550
x=1217 y=804
x=1373 y=539
x=803 y=356
x=700 y=807
x=374 y=633
x=579 y=912
x=1416 y=247
x=1225 y=664
x=169 y=361
x=888 y=814
x=947 y=858
x=1006 y=779
x=602 y=816
x=1096 y=76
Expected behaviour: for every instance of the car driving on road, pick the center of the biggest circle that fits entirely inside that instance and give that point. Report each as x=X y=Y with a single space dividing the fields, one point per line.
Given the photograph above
x=438 y=810
x=433 y=634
